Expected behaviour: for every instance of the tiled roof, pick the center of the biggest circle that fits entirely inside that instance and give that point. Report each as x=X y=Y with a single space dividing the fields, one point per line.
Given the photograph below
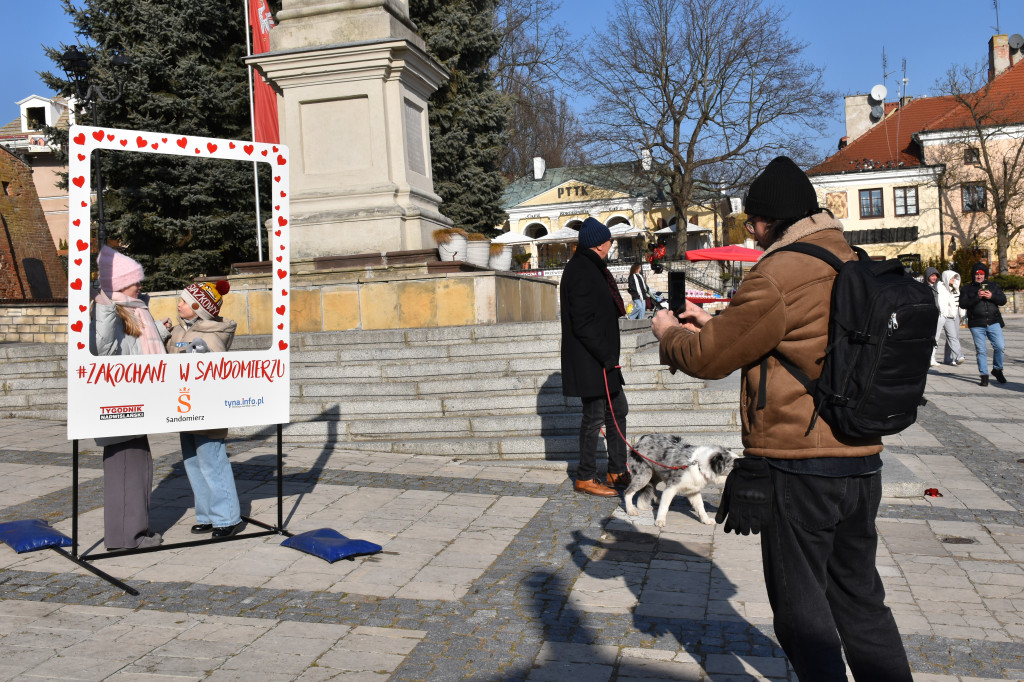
x=12 y=130
x=621 y=177
x=890 y=142
x=997 y=103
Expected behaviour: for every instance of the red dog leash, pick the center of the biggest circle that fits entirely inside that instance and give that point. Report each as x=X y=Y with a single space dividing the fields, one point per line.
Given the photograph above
x=615 y=421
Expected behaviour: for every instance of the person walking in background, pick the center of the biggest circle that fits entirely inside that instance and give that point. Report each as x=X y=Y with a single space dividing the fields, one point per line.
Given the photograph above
x=949 y=318
x=591 y=307
x=931 y=278
x=200 y=329
x=638 y=291
x=982 y=298
x=813 y=494
x=123 y=325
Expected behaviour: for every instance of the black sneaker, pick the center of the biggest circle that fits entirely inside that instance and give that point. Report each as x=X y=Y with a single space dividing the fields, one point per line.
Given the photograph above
x=984 y=380
x=998 y=374
x=227 y=531
x=201 y=528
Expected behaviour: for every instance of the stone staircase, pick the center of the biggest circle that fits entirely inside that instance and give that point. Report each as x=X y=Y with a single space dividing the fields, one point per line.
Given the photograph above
x=486 y=392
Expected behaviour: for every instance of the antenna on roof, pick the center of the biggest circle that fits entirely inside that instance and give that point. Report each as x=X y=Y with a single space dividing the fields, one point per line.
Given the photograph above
x=995 y=4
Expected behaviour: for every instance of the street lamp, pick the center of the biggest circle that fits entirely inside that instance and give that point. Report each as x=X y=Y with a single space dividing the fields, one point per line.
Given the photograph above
x=76 y=66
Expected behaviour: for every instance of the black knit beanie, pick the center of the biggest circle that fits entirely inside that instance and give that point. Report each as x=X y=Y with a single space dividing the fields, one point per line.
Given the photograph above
x=782 y=191
x=593 y=233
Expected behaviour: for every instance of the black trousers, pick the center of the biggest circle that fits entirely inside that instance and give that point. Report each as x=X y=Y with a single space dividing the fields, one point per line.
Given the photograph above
x=595 y=415
x=825 y=592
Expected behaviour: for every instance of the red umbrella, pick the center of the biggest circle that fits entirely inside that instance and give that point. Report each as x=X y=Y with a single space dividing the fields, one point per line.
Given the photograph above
x=732 y=252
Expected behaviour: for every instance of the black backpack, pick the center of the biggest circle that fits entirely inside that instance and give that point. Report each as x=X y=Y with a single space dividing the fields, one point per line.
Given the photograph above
x=881 y=334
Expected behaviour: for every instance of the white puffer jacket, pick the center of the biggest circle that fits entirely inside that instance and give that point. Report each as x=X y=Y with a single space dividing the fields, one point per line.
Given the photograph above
x=949 y=295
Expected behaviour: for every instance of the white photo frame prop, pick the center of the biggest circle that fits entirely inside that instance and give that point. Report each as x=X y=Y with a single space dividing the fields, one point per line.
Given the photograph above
x=139 y=394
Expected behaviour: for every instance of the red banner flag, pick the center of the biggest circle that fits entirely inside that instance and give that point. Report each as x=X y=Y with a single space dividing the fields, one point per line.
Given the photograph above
x=264 y=98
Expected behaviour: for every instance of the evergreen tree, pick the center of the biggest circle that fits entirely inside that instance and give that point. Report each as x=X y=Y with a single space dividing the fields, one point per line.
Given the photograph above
x=467 y=114
x=179 y=217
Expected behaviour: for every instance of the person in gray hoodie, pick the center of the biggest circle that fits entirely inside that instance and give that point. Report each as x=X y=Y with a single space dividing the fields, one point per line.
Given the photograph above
x=931 y=278
x=202 y=330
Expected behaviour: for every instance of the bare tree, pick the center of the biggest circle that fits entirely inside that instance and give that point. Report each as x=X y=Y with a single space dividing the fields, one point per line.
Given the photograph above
x=714 y=88
x=530 y=68
x=981 y=145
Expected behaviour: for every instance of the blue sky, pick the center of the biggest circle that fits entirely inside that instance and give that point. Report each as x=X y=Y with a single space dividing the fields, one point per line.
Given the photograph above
x=847 y=39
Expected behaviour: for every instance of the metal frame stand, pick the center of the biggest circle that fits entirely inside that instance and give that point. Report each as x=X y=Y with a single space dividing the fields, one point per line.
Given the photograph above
x=84 y=559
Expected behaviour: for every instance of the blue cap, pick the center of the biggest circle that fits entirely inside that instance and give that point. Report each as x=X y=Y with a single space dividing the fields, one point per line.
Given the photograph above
x=593 y=233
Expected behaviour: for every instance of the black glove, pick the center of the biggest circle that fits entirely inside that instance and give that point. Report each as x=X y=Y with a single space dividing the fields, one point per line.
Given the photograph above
x=747 y=499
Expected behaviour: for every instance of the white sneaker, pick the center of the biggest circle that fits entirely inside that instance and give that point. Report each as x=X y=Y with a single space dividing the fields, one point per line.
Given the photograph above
x=934 y=364
x=959 y=360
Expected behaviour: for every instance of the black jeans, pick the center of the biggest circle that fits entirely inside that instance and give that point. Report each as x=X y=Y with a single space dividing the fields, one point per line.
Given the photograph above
x=819 y=568
x=595 y=415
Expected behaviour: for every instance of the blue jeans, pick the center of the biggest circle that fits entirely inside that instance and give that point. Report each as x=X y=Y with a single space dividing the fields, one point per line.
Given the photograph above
x=638 y=310
x=994 y=333
x=213 y=484
x=818 y=552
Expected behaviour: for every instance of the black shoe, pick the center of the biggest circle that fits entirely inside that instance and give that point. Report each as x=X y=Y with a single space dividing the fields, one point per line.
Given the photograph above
x=984 y=380
x=227 y=531
x=201 y=528
x=998 y=374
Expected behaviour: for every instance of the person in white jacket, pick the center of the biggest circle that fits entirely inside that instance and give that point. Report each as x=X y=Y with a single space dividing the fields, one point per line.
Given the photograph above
x=123 y=325
x=949 y=318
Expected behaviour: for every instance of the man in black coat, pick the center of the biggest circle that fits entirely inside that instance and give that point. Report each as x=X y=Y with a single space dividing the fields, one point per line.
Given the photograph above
x=981 y=299
x=591 y=308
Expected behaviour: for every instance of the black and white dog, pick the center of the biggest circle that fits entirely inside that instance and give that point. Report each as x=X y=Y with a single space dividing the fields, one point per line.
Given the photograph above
x=702 y=464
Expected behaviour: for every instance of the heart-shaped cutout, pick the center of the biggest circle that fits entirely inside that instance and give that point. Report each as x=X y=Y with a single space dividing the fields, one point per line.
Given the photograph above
x=77 y=326
x=76 y=285
x=80 y=138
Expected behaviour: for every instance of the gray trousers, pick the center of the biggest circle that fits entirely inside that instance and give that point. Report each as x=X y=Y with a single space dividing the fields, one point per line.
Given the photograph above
x=949 y=332
x=127 y=484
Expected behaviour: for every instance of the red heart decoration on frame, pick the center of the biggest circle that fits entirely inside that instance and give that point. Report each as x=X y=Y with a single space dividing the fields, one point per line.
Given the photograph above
x=211 y=146
x=77 y=326
x=78 y=261
x=284 y=194
x=277 y=178
x=278 y=207
x=141 y=141
x=280 y=310
x=97 y=135
x=79 y=181
x=124 y=143
x=81 y=345
x=82 y=246
x=282 y=247
x=282 y=221
x=76 y=285
x=76 y=222
x=80 y=138
x=264 y=152
x=284 y=292
x=281 y=273
x=275 y=149
x=281 y=326
x=84 y=204
x=81 y=157
x=231 y=145
x=277 y=233
x=279 y=259
x=110 y=138
x=197 y=150
x=281 y=160
x=282 y=345
x=182 y=142
x=154 y=145
x=163 y=139
x=82 y=308
x=248 y=148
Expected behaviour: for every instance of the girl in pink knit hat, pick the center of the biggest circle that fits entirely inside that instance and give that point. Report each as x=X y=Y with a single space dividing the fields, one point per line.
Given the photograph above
x=123 y=325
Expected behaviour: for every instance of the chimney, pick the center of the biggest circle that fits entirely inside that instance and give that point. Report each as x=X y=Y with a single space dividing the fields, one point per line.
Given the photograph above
x=998 y=56
x=646 y=159
x=539 y=167
x=858 y=116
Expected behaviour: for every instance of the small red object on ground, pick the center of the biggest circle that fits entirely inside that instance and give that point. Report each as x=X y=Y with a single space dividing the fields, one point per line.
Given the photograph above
x=933 y=492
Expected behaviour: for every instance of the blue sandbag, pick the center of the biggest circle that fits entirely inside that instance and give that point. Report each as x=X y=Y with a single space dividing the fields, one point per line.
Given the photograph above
x=330 y=545
x=31 y=534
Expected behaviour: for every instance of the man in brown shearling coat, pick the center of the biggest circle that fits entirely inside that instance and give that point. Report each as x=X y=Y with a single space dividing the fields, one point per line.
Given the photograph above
x=813 y=493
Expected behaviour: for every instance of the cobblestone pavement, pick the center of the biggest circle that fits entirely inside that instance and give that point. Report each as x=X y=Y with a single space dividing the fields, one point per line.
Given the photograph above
x=495 y=572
